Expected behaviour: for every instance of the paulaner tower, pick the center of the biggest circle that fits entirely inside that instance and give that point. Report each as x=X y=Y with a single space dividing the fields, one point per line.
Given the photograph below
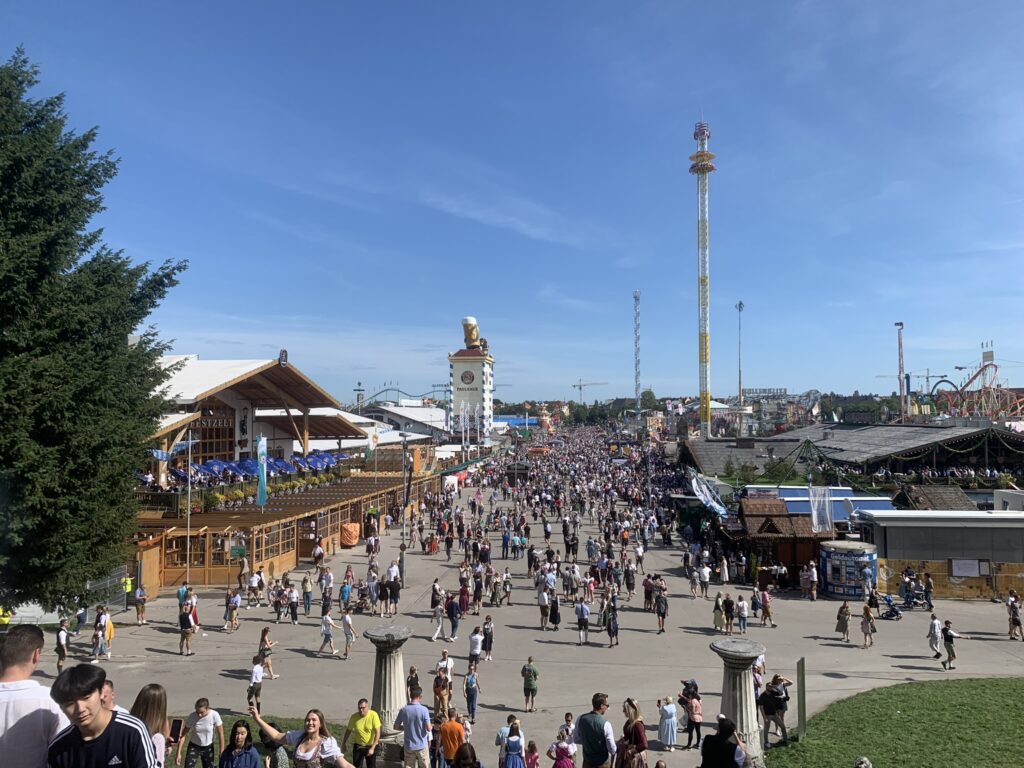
x=701 y=166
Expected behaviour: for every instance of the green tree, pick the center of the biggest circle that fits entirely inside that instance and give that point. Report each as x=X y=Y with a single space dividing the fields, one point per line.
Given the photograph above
x=648 y=401
x=77 y=398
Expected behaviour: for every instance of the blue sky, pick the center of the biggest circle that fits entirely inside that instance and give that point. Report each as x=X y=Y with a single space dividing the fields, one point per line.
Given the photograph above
x=349 y=179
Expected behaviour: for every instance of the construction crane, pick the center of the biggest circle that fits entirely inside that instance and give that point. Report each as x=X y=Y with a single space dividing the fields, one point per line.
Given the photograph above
x=581 y=385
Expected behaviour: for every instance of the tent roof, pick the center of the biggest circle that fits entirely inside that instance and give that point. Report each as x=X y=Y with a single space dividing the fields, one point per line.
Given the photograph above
x=264 y=383
x=323 y=422
x=431 y=417
x=928 y=518
x=172 y=422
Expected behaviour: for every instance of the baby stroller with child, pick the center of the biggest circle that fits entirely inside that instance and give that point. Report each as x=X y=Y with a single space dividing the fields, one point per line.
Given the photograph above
x=362 y=604
x=892 y=611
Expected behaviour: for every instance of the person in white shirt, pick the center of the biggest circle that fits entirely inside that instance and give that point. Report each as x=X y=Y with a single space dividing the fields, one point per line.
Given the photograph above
x=200 y=726
x=108 y=699
x=63 y=634
x=438 y=619
x=29 y=718
x=704 y=572
x=447 y=662
x=349 y=630
x=254 y=592
x=256 y=682
x=476 y=645
x=934 y=635
x=742 y=613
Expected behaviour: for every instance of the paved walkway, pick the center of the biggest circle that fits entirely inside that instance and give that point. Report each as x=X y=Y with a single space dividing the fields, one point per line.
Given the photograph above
x=646 y=665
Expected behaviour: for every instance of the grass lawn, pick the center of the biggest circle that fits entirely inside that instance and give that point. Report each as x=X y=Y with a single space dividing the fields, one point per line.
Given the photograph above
x=283 y=724
x=914 y=725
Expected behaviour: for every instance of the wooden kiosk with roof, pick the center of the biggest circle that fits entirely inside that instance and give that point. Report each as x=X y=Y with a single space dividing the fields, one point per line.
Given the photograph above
x=223 y=406
x=278 y=538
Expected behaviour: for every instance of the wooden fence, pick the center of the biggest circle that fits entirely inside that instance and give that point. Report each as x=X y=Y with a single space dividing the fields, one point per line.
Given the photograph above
x=1002 y=577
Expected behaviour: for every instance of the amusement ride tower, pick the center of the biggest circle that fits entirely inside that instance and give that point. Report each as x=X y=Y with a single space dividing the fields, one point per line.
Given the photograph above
x=701 y=166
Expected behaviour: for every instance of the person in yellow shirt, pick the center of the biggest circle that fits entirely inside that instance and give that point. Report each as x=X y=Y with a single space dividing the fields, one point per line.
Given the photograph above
x=364 y=731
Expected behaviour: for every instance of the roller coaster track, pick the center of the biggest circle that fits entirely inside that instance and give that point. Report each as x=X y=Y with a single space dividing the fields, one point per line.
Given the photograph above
x=395 y=394
x=994 y=402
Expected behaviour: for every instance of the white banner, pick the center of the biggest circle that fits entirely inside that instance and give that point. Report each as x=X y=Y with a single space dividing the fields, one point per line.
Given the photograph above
x=821 y=507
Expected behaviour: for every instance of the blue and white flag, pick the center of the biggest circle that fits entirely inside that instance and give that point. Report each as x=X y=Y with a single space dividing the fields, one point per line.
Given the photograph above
x=177 y=448
x=261 y=457
x=182 y=446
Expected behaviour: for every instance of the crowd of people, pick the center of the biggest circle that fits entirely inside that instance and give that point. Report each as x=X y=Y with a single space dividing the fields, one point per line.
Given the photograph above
x=575 y=533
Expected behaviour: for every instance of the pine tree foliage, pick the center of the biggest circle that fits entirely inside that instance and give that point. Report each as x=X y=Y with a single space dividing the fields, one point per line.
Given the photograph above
x=77 y=399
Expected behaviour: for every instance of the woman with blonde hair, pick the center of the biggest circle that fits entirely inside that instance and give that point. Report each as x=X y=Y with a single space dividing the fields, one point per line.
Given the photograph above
x=151 y=708
x=867 y=627
x=668 y=722
x=633 y=752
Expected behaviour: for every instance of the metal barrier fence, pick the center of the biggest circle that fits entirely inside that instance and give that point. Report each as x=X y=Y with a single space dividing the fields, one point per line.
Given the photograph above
x=109 y=591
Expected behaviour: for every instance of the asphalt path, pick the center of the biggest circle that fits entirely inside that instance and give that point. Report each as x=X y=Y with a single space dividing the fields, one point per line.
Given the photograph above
x=645 y=665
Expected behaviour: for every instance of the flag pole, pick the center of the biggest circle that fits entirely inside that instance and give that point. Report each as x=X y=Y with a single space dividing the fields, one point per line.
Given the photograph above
x=188 y=514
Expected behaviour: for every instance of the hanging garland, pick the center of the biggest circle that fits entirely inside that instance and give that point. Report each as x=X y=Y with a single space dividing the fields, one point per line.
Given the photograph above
x=1007 y=445
x=973 y=448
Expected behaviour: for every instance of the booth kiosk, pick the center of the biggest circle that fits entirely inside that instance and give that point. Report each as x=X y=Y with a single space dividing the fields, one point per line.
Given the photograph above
x=841 y=565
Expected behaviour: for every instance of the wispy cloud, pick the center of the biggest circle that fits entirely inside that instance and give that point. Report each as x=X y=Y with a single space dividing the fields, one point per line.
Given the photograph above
x=456 y=185
x=510 y=212
x=550 y=294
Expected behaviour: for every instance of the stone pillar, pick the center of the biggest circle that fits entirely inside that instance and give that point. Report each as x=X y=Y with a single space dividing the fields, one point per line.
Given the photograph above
x=738 y=703
x=388 y=673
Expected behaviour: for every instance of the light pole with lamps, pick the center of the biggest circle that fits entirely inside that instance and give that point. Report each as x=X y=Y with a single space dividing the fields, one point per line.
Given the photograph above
x=405 y=505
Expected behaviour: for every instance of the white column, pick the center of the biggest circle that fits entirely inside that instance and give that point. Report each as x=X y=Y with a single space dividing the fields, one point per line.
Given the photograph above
x=738 y=703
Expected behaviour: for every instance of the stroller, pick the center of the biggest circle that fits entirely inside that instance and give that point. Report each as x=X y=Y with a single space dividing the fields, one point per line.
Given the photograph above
x=914 y=599
x=362 y=604
x=892 y=611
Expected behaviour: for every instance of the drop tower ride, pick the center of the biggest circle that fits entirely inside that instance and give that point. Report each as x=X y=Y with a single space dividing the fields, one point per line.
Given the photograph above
x=701 y=166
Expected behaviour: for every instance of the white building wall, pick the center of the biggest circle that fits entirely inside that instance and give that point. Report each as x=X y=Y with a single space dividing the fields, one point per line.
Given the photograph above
x=472 y=383
x=1008 y=500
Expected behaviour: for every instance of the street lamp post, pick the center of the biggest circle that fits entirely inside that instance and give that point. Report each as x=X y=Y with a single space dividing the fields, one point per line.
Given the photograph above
x=405 y=506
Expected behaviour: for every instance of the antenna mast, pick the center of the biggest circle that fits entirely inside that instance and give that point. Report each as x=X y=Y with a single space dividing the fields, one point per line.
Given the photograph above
x=636 y=349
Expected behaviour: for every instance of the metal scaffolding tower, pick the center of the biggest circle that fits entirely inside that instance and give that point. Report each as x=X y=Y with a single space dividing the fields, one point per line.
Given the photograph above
x=701 y=166
x=636 y=349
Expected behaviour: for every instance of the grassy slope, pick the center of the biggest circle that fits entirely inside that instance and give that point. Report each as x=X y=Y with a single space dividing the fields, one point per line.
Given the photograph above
x=916 y=725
